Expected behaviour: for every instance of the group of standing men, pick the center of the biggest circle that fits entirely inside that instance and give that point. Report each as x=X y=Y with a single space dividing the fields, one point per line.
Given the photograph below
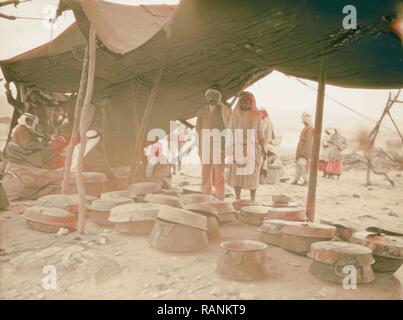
x=255 y=128
x=248 y=119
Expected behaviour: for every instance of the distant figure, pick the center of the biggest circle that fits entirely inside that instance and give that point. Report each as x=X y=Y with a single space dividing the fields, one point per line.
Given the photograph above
x=158 y=170
x=304 y=150
x=337 y=144
x=214 y=115
x=246 y=117
x=324 y=153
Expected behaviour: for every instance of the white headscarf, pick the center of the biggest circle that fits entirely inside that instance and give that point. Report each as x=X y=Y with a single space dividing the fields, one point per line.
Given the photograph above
x=307 y=118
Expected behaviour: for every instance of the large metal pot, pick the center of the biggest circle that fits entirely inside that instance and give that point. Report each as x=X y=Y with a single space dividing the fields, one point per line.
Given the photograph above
x=243 y=260
x=271 y=232
x=69 y=202
x=298 y=237
x=274 y=174
x=164 y=199
x=135 y=218
x=213 y=224
x=253 y=215
x=143 y=188
x=49 y=220
x=286 y=213
x=195 y=198
x=99 y=210
x=387 y=250
x=334 y=274
x=174 y=237
x=224 y=209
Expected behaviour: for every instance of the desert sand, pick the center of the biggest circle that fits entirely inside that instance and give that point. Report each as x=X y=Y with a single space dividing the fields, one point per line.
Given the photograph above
x=103 y=264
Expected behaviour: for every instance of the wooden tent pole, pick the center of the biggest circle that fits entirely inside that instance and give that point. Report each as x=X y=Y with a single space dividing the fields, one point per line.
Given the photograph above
x=141 y=133
x=374 y=134
x=75 y=133
x=87 y=114
x=313 y=173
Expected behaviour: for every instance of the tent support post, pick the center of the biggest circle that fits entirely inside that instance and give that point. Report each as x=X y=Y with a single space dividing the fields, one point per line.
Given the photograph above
x=141 y=133
x=313 y=173
x=75 y=135
x=86 y=118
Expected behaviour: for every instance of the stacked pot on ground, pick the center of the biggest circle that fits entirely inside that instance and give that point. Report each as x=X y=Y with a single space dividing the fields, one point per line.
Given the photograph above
x=208 y=211
x=100 y=209
x=334 y=261
x=49 y=220
x=141 y=189
x=387 y=249
x=225 y=210
x=293 y=236
x=243 y=260
x=68 y=202
x=135 y=218
x=179 y=230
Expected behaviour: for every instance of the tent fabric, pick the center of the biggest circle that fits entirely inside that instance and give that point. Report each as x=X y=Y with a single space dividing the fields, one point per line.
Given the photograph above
x=229 y=43
x=123 y=28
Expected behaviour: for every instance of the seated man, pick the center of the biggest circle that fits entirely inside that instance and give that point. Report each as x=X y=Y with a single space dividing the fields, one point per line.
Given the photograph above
x=27 y=146
x=30 y=157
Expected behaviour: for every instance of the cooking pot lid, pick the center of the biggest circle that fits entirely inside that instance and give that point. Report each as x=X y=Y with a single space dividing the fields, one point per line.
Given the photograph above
x=222 y=207
x=313 y=230
x=254 y=210
x=195 y=198
x=146 y=187
x=381 y=245
x=133 y=212
x=184 y=217
x=108 y=204
x=201 y=208
x=281 y=204
x=274 y=225
x=341 y=253
x=164 y=199
x=281 y=198
x=63 y=200
x=283 y=209
x=243 y=245
x=117 y=194
x=49 y=215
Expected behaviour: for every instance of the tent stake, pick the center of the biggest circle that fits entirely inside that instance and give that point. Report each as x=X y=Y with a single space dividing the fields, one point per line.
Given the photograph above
x=313 y=173
x=87 y=114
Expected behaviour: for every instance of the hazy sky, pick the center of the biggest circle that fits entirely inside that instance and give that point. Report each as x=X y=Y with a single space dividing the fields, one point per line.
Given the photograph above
x=285 y=98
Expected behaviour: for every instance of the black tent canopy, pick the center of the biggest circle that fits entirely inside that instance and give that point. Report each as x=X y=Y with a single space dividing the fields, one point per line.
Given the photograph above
x=231 y=43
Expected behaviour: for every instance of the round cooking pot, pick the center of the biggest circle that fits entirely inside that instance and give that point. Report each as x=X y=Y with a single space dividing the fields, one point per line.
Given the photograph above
x=164 y=199
x=49 y=220
x=213 y=224
x=253 y=215
x=274 y=174
x=286 y=213
x=143 y=188
x=335 y=274
x=69 y=202
x=173 y=237
x=387 y=250
x=341 y=254
x=239 y=204
x=195 y=198
x=243 y=260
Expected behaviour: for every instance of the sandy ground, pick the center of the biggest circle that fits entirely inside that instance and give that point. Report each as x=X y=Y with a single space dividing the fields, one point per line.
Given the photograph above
x=104 y=264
